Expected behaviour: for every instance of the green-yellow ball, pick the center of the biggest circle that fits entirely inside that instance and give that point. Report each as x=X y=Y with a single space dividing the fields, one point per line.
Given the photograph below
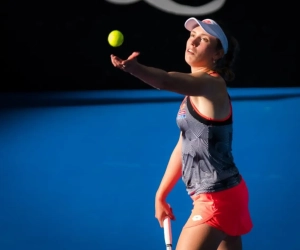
x=115 y=38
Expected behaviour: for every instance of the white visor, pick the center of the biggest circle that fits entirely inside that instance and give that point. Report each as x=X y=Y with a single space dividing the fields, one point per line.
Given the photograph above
x=210 y=27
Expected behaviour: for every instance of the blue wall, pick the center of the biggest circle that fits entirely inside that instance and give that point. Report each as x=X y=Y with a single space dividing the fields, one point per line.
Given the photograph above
x=83 y=177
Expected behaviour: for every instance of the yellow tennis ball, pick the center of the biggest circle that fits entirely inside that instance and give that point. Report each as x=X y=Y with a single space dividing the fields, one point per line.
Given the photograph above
x=115 y=38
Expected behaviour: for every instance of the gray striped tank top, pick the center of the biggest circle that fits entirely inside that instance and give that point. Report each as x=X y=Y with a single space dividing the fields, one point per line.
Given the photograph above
x=207 y=161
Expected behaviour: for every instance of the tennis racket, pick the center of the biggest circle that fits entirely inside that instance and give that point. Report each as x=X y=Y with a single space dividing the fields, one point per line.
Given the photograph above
x=168 y=233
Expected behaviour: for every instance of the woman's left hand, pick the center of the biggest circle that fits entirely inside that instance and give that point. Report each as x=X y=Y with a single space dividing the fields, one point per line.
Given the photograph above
x=127 y=65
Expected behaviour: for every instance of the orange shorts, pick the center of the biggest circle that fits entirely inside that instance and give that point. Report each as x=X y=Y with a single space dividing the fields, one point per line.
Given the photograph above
x=225 y=210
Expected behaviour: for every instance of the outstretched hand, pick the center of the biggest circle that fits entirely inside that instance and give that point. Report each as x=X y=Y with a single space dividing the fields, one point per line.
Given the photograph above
x=126 y=65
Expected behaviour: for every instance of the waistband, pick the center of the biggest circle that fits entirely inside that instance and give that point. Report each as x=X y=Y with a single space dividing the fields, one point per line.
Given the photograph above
x=224 y=185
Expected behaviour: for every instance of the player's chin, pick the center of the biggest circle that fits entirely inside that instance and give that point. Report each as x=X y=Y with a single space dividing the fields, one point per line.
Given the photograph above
x=189 y=60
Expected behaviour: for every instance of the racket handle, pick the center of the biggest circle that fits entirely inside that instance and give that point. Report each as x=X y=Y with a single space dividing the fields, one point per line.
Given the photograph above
x=168 y=233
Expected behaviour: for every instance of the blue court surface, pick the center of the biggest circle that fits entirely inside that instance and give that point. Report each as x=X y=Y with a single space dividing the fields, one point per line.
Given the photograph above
x=79 y=171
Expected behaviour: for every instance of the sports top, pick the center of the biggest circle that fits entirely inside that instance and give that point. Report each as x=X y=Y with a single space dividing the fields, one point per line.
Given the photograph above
x=207 y=160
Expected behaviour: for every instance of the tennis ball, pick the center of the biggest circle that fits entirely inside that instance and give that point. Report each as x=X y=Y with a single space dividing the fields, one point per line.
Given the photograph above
x=115 y=38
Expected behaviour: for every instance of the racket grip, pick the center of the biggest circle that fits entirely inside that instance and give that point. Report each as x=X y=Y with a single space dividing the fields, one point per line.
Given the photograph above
x=168 y=233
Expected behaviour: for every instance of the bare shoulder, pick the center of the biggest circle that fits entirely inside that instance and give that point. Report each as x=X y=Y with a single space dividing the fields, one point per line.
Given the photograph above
x=210 y=76
x=213 y=83
x=191 y=84
x=214 y=102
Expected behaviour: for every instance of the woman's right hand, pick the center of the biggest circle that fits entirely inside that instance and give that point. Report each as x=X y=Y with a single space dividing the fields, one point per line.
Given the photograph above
x=163 y=210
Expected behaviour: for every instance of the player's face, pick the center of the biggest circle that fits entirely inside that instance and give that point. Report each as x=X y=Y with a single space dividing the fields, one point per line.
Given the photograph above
x=200 y=48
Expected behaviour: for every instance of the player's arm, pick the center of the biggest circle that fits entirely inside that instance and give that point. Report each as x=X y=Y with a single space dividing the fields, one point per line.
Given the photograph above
x=193 y=84
x=172 y=173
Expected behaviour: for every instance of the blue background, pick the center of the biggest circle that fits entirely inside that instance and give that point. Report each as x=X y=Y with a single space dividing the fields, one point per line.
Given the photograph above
x=76 y=173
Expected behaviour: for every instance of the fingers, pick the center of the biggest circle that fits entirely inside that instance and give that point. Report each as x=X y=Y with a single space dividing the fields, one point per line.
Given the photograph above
x=117 y=62
x=168 y=212
x=133 y=55
x=171 y=215
x=117 y=59
x=123 y=64
x=113 y=60
x=161 y=220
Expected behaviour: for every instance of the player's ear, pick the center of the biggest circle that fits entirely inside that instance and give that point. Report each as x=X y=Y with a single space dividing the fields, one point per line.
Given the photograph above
x=219 y=54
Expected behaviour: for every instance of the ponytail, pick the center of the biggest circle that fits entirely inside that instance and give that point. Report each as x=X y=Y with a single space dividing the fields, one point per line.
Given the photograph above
x=224 y=66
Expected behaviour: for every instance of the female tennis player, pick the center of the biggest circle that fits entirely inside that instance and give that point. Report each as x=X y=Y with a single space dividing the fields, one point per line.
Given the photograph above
x=203 y=154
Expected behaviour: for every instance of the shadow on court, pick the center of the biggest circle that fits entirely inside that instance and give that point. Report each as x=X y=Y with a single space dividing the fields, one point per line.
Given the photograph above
x=77 y=172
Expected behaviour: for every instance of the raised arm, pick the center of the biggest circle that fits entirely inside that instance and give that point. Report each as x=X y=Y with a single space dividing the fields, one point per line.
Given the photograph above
x=192 y=84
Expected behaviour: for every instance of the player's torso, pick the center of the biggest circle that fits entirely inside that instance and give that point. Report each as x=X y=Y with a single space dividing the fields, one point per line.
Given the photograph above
x=207 y=161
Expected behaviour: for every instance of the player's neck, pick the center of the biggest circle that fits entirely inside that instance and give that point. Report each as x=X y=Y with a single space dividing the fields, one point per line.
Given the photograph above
x=202 y=69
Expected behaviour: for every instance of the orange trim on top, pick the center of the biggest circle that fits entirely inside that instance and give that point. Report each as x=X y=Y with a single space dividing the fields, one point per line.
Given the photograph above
x=209 y=118
x=213 y=73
